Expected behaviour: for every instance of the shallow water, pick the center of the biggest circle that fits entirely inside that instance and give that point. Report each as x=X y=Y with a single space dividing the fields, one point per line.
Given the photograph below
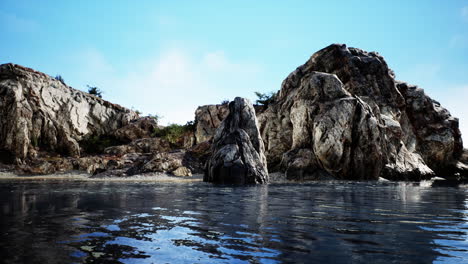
x=194 y=222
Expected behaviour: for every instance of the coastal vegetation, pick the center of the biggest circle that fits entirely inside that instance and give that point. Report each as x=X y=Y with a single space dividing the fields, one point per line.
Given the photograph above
x=95 y=91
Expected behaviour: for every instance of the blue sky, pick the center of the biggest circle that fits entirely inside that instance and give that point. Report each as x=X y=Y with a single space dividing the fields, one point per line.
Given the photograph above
x=168 y=57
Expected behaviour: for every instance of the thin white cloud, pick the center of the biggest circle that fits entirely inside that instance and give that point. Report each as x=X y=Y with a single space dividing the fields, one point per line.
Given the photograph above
x=464 y=13
x=173 y=83
x=422 y=71
x=14 y=23
x=455 y=102
x=458 y=41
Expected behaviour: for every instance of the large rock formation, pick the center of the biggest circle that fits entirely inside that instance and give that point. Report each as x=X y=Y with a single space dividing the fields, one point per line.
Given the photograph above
x=237 y=151
x=343 y=114
x=39 y=112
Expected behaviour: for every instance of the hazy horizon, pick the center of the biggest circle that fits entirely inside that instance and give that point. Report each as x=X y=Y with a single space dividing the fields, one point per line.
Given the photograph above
x=167 y=58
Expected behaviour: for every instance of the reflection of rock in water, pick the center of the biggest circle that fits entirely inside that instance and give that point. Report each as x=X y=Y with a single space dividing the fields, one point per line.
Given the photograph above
x=352 y=222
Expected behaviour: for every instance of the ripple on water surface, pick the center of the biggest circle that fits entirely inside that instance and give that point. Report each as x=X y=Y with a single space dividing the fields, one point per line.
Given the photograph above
x=339 y=222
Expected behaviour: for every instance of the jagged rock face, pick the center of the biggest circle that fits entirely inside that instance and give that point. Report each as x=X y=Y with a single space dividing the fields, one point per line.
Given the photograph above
x=438 y=136
x=356 y=122
x=207 y=119
x=318 y=127
x=238 y=151
x=425 y=126
x=38 y=111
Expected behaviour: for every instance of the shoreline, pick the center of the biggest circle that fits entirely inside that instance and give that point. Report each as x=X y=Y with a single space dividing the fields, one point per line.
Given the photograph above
x=80 y=176
x=278 y=178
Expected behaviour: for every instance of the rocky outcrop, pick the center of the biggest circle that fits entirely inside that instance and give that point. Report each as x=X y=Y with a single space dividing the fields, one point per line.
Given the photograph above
x=342 y=113
x=142 y=127
x=207 y=119
x=144 y=145
x=39 y=113
x=238 y=151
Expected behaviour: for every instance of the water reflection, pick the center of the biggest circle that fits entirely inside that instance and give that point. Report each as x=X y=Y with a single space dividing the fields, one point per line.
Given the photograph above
x=340 y=222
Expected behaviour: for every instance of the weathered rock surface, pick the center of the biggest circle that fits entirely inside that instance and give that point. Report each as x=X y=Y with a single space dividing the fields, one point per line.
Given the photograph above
x=57 y=164
x=340 y=115
x=142 y=127
x=238 y=151
x=182 y=172
x=207 y=119
x=40 y=113
x=166 y=162
x=144 y=145
x=343 y=113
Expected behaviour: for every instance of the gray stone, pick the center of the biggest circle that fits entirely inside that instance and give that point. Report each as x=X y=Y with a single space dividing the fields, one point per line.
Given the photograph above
x=39 y=112
x=144 y=145
x=207 y=119
x=343 y=113
x=182 y=172
x=238 y=151
x=142 y=127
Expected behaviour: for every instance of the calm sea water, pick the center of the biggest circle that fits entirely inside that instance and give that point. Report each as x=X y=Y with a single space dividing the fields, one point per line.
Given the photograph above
x=319 y=222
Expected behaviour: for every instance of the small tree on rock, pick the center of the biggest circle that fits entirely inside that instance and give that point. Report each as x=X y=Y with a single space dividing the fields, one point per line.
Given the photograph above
x=265 y=99
x=59 y=78
x=94 y=91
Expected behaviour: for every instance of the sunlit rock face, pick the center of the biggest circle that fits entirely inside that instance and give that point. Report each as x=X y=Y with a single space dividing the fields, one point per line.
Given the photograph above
x=343 y=113
x=39 y=112
x=207 y=119
x=238 y=151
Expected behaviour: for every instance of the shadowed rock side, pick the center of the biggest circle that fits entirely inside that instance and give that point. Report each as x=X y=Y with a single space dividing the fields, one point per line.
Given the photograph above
x=356 y=122
x=238 y=151
x=39 y=112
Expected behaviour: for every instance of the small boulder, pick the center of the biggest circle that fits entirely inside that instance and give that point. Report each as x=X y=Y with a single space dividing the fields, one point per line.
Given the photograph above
x=182 y=172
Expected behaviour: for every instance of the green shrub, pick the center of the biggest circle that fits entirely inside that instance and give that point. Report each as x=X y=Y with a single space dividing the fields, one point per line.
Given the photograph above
x=59 y=78
x=94 y=91
x=35 y=142
x=174 y=132
x=138 y=112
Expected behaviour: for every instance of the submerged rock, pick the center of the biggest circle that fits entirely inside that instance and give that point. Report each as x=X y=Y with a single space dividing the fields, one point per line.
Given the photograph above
x=238 y=151
x=40 y=113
